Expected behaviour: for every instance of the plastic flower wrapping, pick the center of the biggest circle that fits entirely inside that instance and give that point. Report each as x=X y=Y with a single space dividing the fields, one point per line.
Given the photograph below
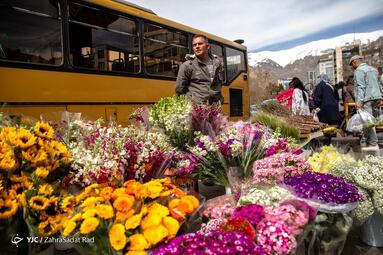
x=208 y=119
x=367 y=175
x=174 y=116
x=273 y=169
x=129 y=219
x=327 y=158
x=216 y=242
x=221 y=207
x=112 y=154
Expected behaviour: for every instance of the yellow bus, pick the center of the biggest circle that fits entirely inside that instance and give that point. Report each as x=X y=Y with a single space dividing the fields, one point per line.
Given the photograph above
x=102 y=58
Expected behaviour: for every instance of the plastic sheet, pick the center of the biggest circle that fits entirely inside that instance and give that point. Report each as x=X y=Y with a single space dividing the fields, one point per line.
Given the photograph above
x=355 y=124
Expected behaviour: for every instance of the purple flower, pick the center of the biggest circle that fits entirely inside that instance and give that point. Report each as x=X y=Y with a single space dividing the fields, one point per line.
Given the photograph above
x=324 y=187
x=253 y=213
x=213 y=243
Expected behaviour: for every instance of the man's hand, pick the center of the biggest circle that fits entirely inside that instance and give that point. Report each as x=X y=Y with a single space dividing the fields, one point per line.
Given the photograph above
x=359 y=105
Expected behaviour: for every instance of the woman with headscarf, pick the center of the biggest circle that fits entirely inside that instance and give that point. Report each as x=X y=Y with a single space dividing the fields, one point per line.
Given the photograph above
x=300 y=102
x=326 y=100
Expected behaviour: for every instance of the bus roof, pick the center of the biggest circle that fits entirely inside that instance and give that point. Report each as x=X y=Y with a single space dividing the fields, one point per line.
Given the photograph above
x=141 y=12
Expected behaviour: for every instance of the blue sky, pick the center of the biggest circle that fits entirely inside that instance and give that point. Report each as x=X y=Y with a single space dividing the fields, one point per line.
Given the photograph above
x=273 y=24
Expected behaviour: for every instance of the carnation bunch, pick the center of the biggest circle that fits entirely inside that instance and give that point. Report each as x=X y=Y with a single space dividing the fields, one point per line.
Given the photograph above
x=265 y=196
x=273 y=169
x=215 y=242
x=253 y=213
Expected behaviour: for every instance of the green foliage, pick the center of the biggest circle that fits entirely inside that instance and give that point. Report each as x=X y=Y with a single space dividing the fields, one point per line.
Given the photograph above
x=276 y=124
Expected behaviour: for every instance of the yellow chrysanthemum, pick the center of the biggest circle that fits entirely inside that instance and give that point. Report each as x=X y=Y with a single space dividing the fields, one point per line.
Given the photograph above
x=136 y=253
x=23 y=139
x=47 y=228
x=150 y=220
x=8 y=208
x=155 y=234
x=105 y=211
x=77 y=217
x=43 y=130
x=38 y=203
x=90 y=202
x=46 y=189
x=89 y=225
x=124 y=203
x=121 y=217
x=106 y=193
x=42 y=172
x=158 y=209
x=120 y=192
x=68 y=203
x=154 y=188
x=69 y=228
x=9 y=162
x=117 y=237
x=133 y=222
x=89 y=213
x=138 y=242
x=172 y=225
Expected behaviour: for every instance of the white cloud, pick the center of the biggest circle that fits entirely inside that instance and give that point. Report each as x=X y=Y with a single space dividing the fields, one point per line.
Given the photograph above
x=266 y=22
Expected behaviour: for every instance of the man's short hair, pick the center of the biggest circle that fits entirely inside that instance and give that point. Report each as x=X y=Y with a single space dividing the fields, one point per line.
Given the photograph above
x=355 y=58
x=200 y=35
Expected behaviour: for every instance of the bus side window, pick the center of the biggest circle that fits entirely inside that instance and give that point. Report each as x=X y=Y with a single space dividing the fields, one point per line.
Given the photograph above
x=111 y=40
x=164 y=50
x=30 y=32
x=235 y=61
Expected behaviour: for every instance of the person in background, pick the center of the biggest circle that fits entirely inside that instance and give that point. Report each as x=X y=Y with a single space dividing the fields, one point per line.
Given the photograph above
x=326 y=101
x=367 y=95
x=348 y=90
x=300 y=99
x=200 y=77
x=285 y=97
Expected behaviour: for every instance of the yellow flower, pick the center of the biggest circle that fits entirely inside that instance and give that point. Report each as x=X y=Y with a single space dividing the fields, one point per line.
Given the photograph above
x=158 y=209
x=46 y=189
x=41 y=158
x=133 y=222
x=105 y=211
x=23 y=139
x=120 y=192
x=8 y=208
x=89 y=213
x=192 y=199
x=38 y=203
x=106 y=193
x=4 y=148
x=7 y=132
x=124 y=203
x=70 y=226
x=136 y=253
x=42 y=172
x=138 y=242
x=47 y=228
x=30 y=154
x=154 y=188
x=89 y=225
x=43 y=130
x=117 y=236
x=172 y=225
x=68 y=204
x=77 y=217
x=9 y=162
x=151 y=220
x=121 y=217
x=90 y=202
x=155 y=234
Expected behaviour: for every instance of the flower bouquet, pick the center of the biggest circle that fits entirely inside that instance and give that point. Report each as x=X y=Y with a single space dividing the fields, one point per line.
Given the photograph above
x=263 y=195
x=129 y=219
x=173 y=115
x=332 y=194
x=216 y=242
x=221 y=207
x=273 y=169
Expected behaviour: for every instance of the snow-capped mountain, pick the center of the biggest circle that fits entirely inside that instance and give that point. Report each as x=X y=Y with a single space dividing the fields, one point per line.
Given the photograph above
x=315 y=48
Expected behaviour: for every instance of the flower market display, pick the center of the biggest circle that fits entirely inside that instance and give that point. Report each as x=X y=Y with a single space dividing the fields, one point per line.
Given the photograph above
x=126 y=190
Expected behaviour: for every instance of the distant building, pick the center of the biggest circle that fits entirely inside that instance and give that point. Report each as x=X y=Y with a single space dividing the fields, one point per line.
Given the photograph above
x=342 y=58
x=326 y=65
x=311 y=79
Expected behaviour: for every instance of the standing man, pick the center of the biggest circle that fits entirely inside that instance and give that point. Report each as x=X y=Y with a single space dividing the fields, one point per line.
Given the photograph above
x=367 y=94
x=200 y=77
